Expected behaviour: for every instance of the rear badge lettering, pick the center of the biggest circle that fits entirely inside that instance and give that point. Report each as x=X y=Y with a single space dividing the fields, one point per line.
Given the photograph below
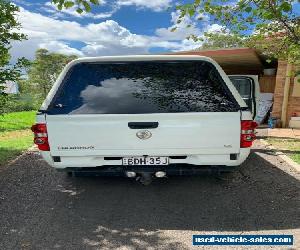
x=76 y=148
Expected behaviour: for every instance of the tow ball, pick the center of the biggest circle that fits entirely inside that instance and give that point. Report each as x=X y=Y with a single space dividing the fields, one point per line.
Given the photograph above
x=145 y=178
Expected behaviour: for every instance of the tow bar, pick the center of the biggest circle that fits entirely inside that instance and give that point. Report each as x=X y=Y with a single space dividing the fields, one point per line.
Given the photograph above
x=145 y=178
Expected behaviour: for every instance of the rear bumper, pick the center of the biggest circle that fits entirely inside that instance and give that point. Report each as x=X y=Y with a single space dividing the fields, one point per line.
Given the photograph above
x=98 y=161
x=173 y=169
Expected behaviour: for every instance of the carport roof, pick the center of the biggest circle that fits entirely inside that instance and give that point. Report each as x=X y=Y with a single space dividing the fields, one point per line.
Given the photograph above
x=243 y=60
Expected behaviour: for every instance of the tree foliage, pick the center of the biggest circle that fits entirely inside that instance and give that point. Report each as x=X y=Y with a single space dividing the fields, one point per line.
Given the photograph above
x=44 y=71
x=80 y=5
x=268 y=22
x=9 y=32
x=221 y=40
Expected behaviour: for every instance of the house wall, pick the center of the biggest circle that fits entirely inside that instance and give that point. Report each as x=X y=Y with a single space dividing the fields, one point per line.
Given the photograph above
x=293 y=102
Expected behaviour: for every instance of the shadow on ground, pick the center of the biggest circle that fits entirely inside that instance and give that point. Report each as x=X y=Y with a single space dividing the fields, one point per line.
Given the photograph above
x=109 y=213
x=258 y=197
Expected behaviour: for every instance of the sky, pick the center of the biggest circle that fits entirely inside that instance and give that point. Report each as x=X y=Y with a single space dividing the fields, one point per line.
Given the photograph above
x=115 y=27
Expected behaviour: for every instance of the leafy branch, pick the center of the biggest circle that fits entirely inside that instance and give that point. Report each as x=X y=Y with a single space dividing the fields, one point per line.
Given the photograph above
x=79 y=5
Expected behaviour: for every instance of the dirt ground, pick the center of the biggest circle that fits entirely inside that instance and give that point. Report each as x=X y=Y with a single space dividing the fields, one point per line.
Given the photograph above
x=44 y=209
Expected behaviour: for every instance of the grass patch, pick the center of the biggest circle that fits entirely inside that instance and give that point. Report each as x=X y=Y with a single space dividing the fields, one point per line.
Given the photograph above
x=16 y=121
x=15 y=134
x=290 y=147
x=14 y=143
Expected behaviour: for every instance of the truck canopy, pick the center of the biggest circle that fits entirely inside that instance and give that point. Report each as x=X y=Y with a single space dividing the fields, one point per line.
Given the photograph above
x=137 y=87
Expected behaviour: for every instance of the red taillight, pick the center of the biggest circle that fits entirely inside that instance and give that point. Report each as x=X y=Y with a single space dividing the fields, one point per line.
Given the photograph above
x=41 y=136
x=247 y=133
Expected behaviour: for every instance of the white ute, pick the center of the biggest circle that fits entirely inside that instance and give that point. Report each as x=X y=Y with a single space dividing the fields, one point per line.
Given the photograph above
x=143 y=116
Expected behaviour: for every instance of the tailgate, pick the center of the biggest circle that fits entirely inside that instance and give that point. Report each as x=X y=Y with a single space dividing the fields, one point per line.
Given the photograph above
x=176 y=133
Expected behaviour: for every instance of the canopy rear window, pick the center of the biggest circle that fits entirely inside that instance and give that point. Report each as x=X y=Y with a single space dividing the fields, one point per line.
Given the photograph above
x=142 y=87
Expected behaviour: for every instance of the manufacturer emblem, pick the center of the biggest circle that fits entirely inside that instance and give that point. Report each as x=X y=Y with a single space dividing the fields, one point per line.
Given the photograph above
x=144 y=134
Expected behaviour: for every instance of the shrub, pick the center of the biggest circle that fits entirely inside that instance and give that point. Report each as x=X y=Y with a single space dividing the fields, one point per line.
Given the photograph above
x=19 y=102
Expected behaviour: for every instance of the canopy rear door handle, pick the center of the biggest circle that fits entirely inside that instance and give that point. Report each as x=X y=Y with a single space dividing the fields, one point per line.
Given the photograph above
x=142 y=125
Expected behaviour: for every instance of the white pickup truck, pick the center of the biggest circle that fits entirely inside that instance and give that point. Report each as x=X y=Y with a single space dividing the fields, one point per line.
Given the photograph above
x=150 y=115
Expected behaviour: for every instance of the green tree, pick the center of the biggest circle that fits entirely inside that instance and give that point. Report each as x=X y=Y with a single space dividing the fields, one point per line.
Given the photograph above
x=268 y=22
x=44 y=71
x=9 y=32
x=220 y=40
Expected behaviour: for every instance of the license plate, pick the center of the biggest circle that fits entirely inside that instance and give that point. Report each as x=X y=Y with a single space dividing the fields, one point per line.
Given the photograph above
x=145 y=161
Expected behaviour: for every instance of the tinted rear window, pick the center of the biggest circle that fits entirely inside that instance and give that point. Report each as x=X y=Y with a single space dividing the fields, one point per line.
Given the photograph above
x=142 y=87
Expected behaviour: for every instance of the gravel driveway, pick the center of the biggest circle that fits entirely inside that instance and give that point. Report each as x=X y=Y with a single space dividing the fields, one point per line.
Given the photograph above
x=43 y=209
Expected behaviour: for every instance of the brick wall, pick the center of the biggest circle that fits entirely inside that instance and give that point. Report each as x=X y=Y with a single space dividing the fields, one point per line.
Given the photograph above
x=294 y=102
x=279 y=86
